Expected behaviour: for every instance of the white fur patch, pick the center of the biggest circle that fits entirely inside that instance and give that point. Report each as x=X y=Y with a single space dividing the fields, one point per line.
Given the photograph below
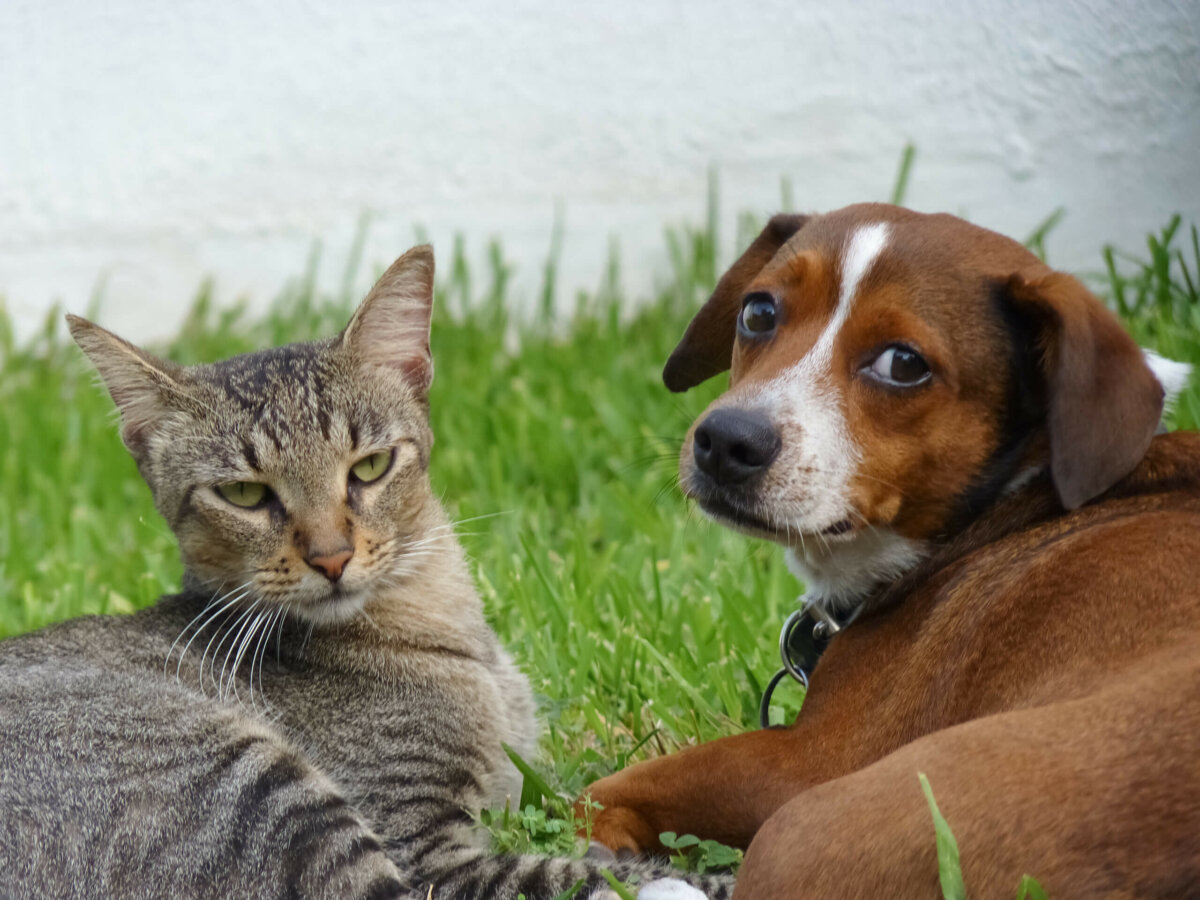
x=811 y=476
x=670 y=889
x=862 y=250
x=839 y=573
x=819 y=456
x=1172 y=375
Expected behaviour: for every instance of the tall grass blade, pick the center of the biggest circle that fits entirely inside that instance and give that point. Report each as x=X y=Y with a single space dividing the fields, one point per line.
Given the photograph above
x=949 y=867
x=900 y=187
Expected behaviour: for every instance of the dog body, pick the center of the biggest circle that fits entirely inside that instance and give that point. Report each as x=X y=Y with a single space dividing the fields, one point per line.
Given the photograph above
x=954 y=444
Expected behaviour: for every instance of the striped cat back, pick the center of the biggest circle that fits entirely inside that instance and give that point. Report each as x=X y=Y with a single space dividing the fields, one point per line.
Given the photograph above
x=323 y=709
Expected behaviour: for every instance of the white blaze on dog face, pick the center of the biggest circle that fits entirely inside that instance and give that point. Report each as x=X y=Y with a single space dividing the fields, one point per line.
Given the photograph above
x=868 y=468
x=819 y=455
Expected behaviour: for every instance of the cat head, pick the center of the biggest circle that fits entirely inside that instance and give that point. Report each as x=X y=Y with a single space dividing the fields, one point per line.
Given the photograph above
x=296 y=476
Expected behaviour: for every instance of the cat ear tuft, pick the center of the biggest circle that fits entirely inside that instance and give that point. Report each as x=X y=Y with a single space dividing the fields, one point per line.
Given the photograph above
x=391 y=327
x=139 y=384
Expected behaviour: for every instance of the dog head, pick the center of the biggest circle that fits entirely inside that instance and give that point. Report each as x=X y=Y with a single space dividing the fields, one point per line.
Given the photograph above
x=892 y=373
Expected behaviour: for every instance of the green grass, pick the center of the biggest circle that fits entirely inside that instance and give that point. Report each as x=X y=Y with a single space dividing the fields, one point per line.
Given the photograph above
x=642 y=626
x=587 y=557
x=949 y=861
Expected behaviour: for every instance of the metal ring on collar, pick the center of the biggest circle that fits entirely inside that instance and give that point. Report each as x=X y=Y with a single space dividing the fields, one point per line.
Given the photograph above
x=789 y=668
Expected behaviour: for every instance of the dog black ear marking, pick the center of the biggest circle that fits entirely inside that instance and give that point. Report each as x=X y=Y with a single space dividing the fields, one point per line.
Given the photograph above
x=1103 y=402
x=706 y=348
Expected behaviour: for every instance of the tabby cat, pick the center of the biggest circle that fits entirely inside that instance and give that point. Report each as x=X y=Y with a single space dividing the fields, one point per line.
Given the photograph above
x=322 y=708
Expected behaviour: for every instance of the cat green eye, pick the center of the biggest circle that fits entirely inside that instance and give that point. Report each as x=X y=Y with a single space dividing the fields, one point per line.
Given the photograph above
x=246 y=494
x=371 y=468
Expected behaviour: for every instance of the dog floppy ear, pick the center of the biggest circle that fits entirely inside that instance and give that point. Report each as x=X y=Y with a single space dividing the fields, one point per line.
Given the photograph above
x=706 y=348
x=1104 y=402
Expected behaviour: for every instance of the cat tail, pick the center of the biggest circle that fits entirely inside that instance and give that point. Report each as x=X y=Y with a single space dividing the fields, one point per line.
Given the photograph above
x=474 y=875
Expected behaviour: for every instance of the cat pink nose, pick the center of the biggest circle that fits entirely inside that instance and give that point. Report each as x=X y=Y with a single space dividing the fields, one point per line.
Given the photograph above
x=331 y=565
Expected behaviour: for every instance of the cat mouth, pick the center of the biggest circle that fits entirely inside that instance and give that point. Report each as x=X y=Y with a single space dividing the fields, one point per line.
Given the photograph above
x=342 y=596
x=338 y=604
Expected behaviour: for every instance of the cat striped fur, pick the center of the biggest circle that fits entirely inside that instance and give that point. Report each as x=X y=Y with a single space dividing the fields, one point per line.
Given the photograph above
x=322 y=709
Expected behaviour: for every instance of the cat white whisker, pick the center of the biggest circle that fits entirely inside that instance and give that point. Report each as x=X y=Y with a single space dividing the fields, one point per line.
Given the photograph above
x=492 y=515
x=256 y=652
x=230 y=609
x=257 y=627
x=220 y=635
x=425 y=542
x=234 y=645
x=287 y=608
x=227 y=633
x=243 y=641
x=252 y=630
x=213 y=601
x=261 y=653
x=175 y=643
x=199 y=631
x=416 y=554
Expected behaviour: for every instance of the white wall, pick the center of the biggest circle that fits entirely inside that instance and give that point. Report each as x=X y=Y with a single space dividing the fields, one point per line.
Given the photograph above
x=151 y=143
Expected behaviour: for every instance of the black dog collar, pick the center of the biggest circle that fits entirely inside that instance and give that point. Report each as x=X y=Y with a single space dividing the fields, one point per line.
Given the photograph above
x=802 y=640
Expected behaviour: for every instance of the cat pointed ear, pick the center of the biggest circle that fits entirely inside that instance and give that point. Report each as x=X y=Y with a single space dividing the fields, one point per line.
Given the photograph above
x=139 y=384
x=391 y=327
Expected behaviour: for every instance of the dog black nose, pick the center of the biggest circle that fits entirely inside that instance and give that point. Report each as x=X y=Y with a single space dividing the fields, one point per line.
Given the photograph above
x=730 y=445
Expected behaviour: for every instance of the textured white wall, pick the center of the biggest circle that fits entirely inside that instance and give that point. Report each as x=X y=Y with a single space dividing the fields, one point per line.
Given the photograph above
x=152 y=143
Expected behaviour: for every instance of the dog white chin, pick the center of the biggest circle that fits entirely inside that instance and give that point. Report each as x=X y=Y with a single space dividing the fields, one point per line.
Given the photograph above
x=840 y=571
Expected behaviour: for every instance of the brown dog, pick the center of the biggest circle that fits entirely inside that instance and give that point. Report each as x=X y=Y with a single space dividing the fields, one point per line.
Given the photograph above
x=954 y=444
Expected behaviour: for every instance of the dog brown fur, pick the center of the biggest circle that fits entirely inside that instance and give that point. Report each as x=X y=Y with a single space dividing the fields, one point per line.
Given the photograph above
x=1040 y=663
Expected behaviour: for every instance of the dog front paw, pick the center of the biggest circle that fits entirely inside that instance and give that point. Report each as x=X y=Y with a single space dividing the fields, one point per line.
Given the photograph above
x=620 y=830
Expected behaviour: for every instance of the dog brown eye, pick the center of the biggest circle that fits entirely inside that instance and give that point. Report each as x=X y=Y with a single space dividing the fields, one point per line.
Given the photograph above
x=758 y=314
x=899 y=365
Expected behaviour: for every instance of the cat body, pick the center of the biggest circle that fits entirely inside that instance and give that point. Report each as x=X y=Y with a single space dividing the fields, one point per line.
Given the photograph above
x=323 y=707
x=353 y=741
